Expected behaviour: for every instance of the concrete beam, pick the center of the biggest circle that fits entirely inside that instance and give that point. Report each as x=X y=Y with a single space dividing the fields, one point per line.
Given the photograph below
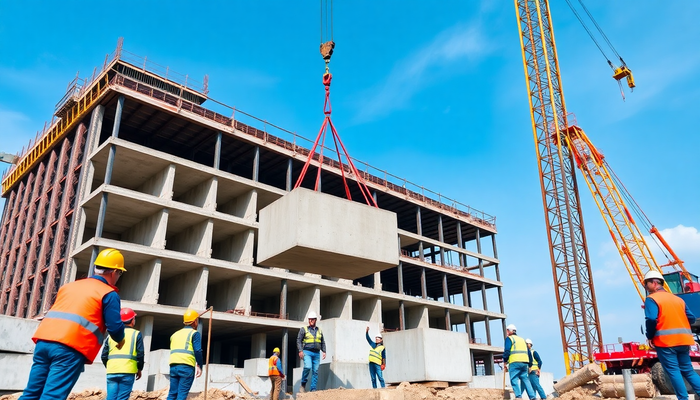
x=16 y=334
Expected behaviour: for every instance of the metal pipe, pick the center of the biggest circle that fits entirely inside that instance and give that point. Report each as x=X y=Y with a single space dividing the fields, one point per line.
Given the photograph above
x=629 y=387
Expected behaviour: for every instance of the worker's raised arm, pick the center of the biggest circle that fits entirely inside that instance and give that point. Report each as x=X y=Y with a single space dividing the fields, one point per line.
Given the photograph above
x=369 y=339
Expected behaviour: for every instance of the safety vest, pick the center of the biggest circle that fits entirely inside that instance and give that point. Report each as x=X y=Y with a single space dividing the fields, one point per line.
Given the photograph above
x=75 y=319
x=535 y=364
x=672 y=327
x=311 y=339
x=272 y=366
x=518 y=350
x=123 y=361
x=375 y=354
x=181 y=348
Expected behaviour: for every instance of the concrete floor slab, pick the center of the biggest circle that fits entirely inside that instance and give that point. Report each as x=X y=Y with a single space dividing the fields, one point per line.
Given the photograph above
x=315 y=232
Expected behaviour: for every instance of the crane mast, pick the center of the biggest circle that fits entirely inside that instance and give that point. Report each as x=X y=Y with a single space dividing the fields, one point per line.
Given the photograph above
x=573 y=286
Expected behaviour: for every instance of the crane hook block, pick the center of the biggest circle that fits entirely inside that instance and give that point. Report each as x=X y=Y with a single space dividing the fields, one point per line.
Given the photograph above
x=327 y=79
x=327 y=50
x=624 y=72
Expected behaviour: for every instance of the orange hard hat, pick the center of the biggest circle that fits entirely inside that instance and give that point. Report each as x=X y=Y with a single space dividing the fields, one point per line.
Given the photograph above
x=127 y=314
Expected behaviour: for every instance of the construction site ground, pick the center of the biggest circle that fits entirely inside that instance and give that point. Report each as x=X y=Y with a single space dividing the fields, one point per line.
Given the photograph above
x=404 y=391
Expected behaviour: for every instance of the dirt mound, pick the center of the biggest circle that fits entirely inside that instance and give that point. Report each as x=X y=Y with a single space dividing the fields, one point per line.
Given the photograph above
x=580 y=393
x=88 y=394
x=13 y=396
x=216 y=394
x=420 y=392
x=155 y=395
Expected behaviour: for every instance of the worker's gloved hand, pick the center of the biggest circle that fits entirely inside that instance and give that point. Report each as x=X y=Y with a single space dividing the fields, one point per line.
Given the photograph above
x=323 y=355
x=198 y=371
x=283 y=376
x=120 y=344
x=383 y=367
x=301 y=355
x=138 y=375
x=505 y=368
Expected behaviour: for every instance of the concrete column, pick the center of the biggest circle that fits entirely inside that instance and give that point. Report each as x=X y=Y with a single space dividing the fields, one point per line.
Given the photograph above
x=448 y=320
x=488 y=331
x=118 y=116
x=283 y=298
x=441 y=237
x=258 y=345
x=202 y=195
x=423 y=284
x=402 y=316
x=160 y=184
x=400 y=274
x=368 y=310
x=478 y=250
x=337 y=306
x=374 y=196
x=303 y=301
x=194 y=240
x=187 y=290
x=460 y=244
x=483 y=296
x=232 y=294
x=419 y=229
x=149 y=231
x=217 y=151
x=256 y=164
x=465 y=294
x=489 y=364
x=288 y=179
x=468 y=326
x=242 y=206
x=378 y=280
x=417 y=317
x=141 y=283
x=215 y=353
x=145 y=326
x=445 y=291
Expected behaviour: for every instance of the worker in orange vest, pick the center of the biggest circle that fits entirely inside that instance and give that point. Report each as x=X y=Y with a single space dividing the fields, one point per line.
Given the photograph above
x=668 y=322
x=72 y=332
x=276 y=374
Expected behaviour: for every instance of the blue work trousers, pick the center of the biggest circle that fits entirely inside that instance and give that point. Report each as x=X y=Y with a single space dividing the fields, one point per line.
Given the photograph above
x=181 y=378
x=312 y=359
x=55 y=370
x=535 y=383
x=119 y=386
x=375 y=371
x=519 y=375
x=676 y=362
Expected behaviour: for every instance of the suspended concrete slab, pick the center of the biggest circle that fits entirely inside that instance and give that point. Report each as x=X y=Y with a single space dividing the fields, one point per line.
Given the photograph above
x=314 y=232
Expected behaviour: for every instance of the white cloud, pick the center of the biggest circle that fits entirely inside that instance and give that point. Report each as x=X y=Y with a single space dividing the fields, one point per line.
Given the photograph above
x=413 y=73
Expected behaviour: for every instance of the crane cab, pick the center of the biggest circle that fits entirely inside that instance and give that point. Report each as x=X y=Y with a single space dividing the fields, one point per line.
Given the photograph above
x=622 y=73
x=679 y=284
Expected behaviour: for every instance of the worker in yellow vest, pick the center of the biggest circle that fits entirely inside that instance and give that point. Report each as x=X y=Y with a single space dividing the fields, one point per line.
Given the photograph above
x=124 y=365
x=535 y=371
x=518 y=360
x=276 y=374
x=312 y=349
x=377 y=358
x=185 y=357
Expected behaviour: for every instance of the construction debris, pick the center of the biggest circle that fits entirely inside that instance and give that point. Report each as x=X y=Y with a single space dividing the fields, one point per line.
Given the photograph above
x=405 y=391
x=614 y=386
x=579 y=378
x=585 y=392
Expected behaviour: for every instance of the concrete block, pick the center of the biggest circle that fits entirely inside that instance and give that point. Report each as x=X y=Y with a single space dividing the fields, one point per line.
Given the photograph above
x=16 y=334
x=336 y=375
x=255 y=367
x=260 y=384
x=345 y=340
x=319 y=233
x=417 y=355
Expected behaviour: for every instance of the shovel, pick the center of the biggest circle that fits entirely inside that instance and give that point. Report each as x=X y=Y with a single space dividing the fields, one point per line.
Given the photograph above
x=506 y=394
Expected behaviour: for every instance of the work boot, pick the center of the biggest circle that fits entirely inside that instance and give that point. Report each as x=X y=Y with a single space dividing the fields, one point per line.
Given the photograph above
x=302 y=389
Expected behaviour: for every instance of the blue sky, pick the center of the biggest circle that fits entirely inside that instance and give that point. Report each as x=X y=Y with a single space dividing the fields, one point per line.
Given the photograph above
x=430 y=91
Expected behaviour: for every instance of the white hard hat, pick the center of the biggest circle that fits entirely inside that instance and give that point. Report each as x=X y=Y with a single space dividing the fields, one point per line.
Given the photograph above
x=312 y=315
x=378 y=335
x=511 y=327
x=528 y=341
x=653 y=275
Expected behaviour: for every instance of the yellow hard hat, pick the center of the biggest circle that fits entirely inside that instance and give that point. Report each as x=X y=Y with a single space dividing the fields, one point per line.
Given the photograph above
x=190 y=316
x=111 y=259
x=276 y=350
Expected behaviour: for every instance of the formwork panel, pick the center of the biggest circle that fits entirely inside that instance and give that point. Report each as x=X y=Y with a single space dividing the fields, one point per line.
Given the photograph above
x=315 y=232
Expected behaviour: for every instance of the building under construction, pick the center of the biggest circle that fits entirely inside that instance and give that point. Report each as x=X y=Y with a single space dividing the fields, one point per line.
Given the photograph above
x=133 y=160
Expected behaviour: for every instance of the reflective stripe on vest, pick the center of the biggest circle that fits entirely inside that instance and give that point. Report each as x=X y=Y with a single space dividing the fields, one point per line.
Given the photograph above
x=75 y=319
x=311 y=339
x=272 y=366
x=181 y=347
x=123 y=361
x=535 y=364
x=672 y=326
x=375 y=355
x=518 y=350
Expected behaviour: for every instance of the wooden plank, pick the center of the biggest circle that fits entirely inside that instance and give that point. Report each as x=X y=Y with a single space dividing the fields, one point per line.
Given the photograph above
x=244 y=386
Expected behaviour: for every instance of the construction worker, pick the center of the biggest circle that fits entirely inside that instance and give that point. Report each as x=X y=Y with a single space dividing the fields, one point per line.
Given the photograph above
x=276 y=374
x=377 y=358
x=312 y=348
x=668 y=322
x=72 y=332
x=518 y=360
x=535 y=371
x=123 y=365
x=185 y=357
